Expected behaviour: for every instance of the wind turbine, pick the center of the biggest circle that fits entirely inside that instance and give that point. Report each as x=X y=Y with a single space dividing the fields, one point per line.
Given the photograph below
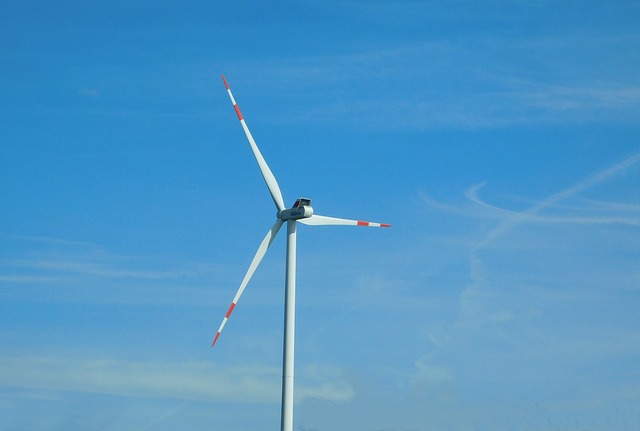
x=301 y=212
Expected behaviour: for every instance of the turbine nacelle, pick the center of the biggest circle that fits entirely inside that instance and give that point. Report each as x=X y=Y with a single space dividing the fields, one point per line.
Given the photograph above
x=301 y=209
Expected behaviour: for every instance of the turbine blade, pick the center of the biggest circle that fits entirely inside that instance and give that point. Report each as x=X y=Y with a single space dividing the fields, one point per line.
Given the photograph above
x=268 y=176
x=318 y=220
x=262 y=250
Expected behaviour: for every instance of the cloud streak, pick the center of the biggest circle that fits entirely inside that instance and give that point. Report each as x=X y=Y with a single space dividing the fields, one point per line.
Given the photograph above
x=501 y=299
x=588 y=212
x=600 y=177
x=98 y=269
x=202 y=381
x=463 y=84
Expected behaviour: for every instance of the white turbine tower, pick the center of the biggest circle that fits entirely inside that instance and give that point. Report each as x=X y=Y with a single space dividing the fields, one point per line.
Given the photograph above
x=300 y=212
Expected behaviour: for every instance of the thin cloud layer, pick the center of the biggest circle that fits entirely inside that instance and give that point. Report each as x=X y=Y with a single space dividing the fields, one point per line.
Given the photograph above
x=201 y=381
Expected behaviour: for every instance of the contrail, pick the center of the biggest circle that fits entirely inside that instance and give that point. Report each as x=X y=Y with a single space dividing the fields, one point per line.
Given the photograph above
x=595 y=179
x=468 y=298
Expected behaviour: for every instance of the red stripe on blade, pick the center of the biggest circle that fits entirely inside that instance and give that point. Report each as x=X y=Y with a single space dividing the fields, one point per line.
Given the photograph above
x=225 y=82
x=215 y=339
x=363 y=223
x=238 y=112
x=231 y=307
x=385 y=225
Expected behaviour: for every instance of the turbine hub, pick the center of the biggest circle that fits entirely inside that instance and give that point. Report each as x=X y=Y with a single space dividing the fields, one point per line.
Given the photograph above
x=300 y=209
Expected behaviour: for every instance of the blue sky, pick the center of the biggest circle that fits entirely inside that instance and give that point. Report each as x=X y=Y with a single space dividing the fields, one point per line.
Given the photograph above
x=500 y=138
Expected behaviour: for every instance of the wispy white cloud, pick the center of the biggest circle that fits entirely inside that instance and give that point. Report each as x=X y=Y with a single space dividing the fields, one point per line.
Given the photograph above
x=319 y=381
x=70 y=257
x=195 y=381
x=427 y=372
x=433 y=380
x=558 y=206
x=205 y=381
x=94 y=268
x=58 y=270
x=558 y=98
x=599 y=177
x=518 y=284
x=49 y=240
x=464 y=83
x=22 y=279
